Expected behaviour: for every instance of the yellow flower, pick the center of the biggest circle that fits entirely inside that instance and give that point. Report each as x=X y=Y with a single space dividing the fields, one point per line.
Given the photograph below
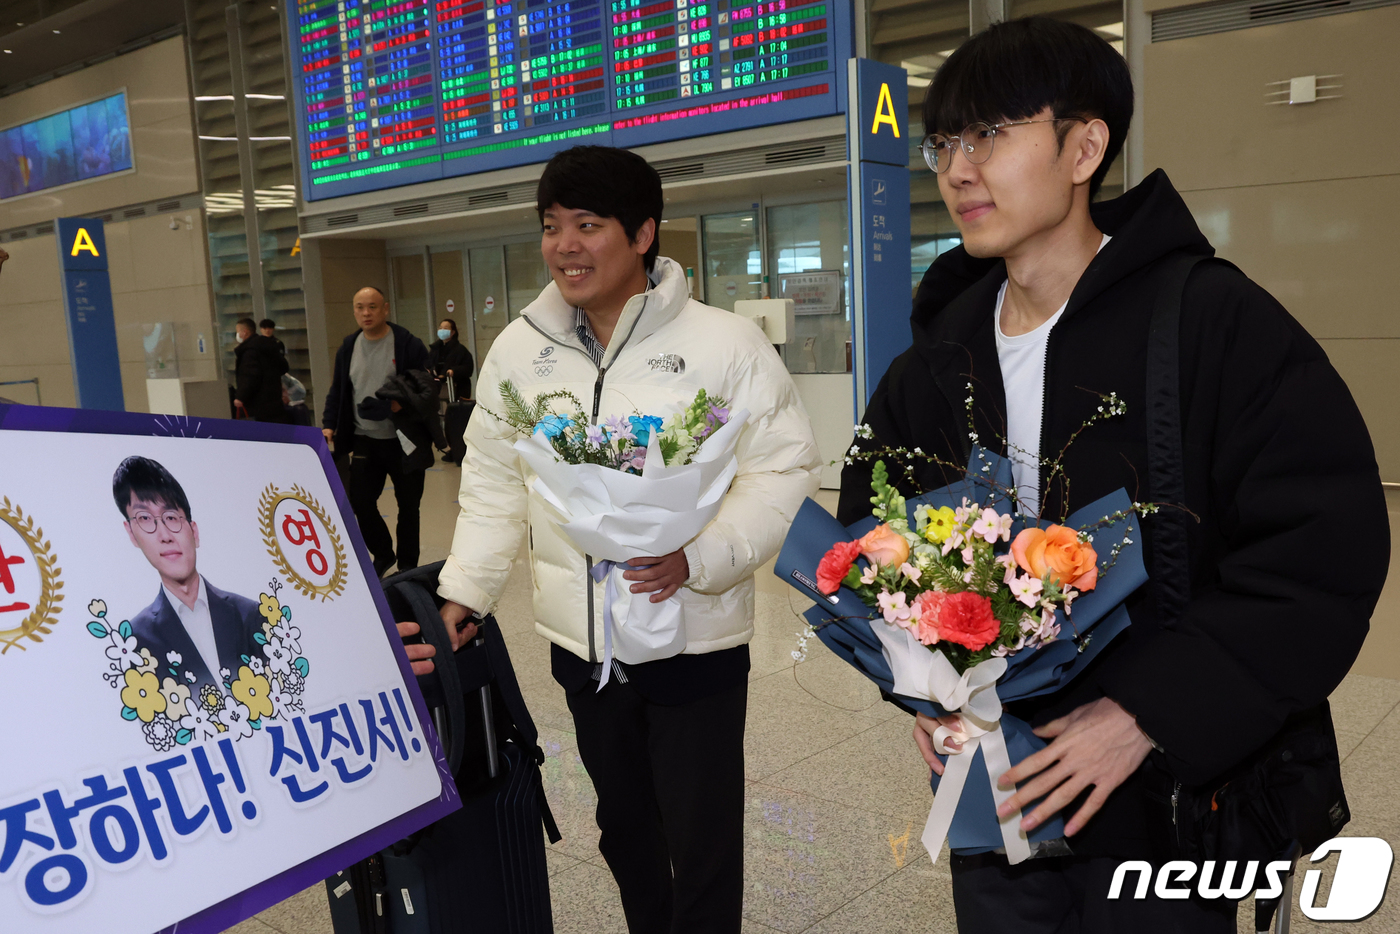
x=177 y=698
x=941 y=523
x=269 y=608
x=142 y=694
x=252 y=691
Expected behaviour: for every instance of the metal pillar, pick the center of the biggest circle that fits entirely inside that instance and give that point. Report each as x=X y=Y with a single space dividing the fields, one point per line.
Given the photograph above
x=246 y=167
x=984 y=13
x=1137 y=33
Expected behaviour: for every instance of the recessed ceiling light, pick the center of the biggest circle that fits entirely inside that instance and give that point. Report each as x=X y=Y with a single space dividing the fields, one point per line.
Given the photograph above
x=55 y=32
x=8 y=52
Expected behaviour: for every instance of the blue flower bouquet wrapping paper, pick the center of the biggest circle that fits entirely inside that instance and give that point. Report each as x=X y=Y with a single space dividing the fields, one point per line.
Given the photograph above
x=965 y=810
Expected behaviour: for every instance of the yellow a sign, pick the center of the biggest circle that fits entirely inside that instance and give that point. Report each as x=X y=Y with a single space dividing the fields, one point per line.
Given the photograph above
x=83 y=241
x=884 y=112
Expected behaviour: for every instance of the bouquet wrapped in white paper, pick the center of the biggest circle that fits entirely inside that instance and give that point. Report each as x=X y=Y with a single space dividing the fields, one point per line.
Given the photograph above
x=616 y=509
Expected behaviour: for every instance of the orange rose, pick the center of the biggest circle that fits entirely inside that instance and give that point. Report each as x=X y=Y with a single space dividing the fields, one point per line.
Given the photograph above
x=1056 y=551
x=884 y=546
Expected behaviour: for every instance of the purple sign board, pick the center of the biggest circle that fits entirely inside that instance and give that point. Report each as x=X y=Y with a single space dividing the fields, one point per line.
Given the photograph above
x=209 y=708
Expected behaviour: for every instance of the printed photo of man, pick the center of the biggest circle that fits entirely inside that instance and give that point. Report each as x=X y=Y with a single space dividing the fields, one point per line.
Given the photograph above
x=208 y=628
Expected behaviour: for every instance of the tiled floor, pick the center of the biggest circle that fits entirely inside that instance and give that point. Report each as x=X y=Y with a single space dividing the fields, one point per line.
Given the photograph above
x=837 y=794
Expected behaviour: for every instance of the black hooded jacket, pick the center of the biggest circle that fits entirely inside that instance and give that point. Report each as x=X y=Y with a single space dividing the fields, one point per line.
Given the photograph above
x=259 y=366
x=1292 y=547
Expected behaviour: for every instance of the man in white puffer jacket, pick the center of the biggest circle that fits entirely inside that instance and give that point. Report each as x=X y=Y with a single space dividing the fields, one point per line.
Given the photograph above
x=663 y=740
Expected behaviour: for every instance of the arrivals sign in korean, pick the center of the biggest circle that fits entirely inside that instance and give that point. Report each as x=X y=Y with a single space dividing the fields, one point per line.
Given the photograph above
x=207 y=708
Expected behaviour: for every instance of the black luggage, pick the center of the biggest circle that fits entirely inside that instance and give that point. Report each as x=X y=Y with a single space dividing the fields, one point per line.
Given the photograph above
x=480 y=869
x=459 y=412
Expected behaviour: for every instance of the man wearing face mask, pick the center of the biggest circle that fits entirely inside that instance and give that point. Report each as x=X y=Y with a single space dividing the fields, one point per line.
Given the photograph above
x=259 y=367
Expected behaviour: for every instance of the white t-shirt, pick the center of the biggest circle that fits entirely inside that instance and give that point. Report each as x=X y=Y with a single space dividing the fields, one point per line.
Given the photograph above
x=1022 y=360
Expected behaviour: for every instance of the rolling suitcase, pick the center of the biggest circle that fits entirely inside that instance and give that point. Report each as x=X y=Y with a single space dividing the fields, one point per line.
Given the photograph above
x=482 y=868
x=459 y=412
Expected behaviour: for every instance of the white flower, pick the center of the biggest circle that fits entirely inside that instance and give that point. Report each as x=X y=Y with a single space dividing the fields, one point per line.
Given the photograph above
x=224 y=674
x=290 y=636
x=235 y=717
x=124 y=651
x=199 y=723
x=98 y=608
x=278 y=658
x=284 y=703
x=173 y=657
x=255 y=665
x=189 y=676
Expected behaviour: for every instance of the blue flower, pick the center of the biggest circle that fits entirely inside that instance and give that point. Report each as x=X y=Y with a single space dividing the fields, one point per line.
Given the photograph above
x=552 y=426
x=643 y=426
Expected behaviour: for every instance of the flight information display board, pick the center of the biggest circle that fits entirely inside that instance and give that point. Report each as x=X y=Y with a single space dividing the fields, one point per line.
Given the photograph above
x=394 y=92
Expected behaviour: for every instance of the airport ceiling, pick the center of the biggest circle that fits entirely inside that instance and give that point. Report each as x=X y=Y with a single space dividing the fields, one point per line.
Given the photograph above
x=44 y=38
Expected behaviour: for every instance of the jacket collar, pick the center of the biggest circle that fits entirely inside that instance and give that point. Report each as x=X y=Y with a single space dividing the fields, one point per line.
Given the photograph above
x=643 y=315
x=1147 y=223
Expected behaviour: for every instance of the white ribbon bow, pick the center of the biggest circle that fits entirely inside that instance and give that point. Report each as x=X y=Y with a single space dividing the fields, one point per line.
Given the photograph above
x=973 y=696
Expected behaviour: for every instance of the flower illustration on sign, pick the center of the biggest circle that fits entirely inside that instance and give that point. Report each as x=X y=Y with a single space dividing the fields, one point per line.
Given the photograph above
x=174 y=709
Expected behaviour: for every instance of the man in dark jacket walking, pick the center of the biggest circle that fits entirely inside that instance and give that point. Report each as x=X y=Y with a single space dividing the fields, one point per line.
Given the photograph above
x=258 y=369
x=360 y=426
x=1048 y=303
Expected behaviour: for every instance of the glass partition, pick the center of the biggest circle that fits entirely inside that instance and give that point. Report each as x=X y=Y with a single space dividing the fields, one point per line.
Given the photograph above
x=488 y=294
x=733 y=259
x=526 y=275
x=809 y=262
x=409 y=303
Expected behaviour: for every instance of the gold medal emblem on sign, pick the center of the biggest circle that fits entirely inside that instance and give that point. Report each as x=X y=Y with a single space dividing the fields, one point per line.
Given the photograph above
x=29 y=580
x=303 y=542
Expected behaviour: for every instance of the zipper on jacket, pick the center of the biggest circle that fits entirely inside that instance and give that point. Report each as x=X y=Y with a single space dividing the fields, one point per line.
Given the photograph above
x=1176 y=799
x=597 y=403
x=1042 y=492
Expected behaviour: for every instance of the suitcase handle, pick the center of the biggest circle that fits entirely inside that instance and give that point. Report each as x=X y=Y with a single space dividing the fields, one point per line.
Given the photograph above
x=435 y=633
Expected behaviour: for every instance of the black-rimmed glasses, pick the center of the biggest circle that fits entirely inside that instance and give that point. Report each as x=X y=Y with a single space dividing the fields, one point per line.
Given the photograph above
x=975 y=141
x=146 y=522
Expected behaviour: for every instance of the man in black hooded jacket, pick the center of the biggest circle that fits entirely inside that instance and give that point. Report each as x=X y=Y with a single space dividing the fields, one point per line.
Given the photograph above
x=1292 y=544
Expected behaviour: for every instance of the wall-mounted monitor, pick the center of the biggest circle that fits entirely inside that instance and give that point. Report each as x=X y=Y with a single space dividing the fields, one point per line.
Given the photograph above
x=394 y=92
x=71 y=146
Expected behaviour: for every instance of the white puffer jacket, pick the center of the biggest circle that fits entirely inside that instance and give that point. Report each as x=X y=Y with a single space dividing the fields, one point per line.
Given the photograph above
x=666 y=347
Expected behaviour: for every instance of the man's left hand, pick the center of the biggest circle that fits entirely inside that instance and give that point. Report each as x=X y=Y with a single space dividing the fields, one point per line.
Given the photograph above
x=420 y=654
x=660 y=577
x=1099 y=744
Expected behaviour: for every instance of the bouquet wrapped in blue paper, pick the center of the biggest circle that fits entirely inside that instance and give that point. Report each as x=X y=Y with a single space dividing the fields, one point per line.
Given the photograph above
x=954 y=604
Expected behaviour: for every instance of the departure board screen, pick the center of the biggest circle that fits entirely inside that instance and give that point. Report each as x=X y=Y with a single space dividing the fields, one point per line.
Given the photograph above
x=395 y=92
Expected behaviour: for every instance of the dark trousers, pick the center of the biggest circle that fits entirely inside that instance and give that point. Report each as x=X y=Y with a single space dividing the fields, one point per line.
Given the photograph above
x=1069 y=895
x=670 y=784
x=371 y=461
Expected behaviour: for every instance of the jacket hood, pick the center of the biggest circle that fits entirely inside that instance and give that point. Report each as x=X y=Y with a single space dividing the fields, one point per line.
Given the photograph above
x=1146 y=222
x=642 y=315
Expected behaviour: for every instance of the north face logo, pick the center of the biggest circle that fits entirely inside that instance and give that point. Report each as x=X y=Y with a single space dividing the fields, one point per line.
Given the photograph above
x=670 y=362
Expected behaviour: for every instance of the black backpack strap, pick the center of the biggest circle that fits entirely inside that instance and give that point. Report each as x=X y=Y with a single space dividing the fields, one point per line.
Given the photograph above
x=1165 y=470
x=425 y=613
